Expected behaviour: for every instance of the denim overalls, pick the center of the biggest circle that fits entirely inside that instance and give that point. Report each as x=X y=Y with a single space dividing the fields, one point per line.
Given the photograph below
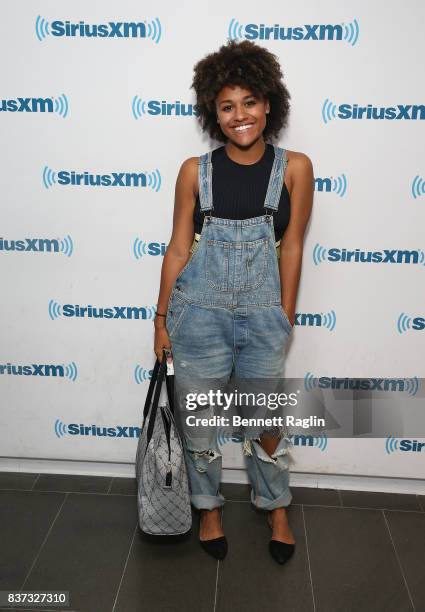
x=225 y=317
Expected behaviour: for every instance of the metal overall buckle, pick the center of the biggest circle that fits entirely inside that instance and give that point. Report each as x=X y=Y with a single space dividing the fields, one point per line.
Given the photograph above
x=208 y=216
x=269 y=216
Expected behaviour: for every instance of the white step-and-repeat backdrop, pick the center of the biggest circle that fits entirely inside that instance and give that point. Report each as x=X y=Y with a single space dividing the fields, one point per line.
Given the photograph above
x=96 y=116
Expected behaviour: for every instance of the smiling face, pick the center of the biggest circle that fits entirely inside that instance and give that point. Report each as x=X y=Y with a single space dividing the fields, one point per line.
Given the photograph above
x=241 y=114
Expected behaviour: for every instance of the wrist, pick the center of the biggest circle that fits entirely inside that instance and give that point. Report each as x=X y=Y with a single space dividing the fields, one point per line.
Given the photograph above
x=290 y=312
x=159 y=320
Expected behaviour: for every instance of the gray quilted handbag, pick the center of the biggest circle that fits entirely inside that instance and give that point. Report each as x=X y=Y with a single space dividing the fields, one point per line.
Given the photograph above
x=163 y=500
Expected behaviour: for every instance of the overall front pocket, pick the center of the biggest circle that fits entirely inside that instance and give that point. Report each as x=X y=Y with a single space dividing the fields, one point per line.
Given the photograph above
x=177 y=309
x=286 y=321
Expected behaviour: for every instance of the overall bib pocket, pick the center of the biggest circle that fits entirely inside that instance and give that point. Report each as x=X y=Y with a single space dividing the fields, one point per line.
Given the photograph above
x=236 y=266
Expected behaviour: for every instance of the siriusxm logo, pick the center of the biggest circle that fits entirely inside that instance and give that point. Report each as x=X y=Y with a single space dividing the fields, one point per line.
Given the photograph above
x=320 y=441
x=39 y=245
x=396 y=385
x=140 y=248
x=254 y=31
x=113 y=179
x=386 y=256
x=338 y=185
x=418 y=187
x=112 y=29
x=327 y=319
x=394 y=444
x=79 y=429
x=57 y=105
x=41 y=369
x=162 y=108
x=354 y=111
x=94 y=312
x=224 y=437
x=404 y=323
x=141 y=374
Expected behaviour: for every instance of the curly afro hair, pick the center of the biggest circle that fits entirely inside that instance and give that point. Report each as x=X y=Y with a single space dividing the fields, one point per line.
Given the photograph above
x=247 y=65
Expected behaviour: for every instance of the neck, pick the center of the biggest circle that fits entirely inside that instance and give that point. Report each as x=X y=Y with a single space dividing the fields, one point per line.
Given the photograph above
x=246 y=155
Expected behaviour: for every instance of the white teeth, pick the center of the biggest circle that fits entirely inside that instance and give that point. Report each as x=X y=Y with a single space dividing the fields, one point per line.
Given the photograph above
x=242 y=128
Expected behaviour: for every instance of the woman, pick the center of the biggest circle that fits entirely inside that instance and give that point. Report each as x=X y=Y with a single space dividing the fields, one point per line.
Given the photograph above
x=227 y=295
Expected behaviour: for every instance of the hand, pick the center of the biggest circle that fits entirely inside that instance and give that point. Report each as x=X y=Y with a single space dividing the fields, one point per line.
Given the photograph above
x=290 y=314
x=161 y=341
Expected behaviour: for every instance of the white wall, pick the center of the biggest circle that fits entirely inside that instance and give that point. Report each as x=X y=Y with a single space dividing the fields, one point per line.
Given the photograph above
x=100 y=78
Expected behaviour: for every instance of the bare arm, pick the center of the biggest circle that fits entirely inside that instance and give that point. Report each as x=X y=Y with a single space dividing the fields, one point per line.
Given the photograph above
x=178 y=250
x=291 y=246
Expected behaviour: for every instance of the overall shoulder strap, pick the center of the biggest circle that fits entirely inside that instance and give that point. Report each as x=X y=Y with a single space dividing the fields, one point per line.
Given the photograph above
x=277 y=176
x=205 y=181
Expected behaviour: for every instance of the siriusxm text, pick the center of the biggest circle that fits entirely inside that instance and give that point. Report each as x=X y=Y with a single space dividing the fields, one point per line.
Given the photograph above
x=27 y=105
x=35 y=369
x=306 y=32
x=179 y=109
x=119 y=431
x=376 y=384
x=418 y=323
x=391 y=256
x=113 y=179
x=401 y=111
x=114 y=312
x=411 y=445
x=36 y=245
x=112 y=29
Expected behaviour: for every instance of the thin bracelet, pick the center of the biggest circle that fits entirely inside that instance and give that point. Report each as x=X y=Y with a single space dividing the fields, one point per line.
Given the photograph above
x=158 y=314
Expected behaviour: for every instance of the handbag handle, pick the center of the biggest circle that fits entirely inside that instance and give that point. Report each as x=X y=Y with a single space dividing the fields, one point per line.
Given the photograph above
x=156 y=381
x=169 y=380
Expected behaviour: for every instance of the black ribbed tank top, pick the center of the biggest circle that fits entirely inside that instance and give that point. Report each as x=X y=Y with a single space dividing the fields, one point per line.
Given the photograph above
x=239 y=191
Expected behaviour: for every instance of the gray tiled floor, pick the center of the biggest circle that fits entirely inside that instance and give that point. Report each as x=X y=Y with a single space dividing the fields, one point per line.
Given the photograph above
x=355 y=551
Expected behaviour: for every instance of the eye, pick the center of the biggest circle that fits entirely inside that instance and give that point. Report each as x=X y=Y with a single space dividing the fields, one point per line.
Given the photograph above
x=251 y=102
x=225 y=108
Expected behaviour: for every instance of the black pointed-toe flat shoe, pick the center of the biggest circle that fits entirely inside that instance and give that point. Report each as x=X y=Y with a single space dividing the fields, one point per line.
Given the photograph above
x=280 y=551
x=217 y=547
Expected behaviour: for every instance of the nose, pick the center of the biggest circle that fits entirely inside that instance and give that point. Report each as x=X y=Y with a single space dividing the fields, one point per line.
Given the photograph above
x=240 y=112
